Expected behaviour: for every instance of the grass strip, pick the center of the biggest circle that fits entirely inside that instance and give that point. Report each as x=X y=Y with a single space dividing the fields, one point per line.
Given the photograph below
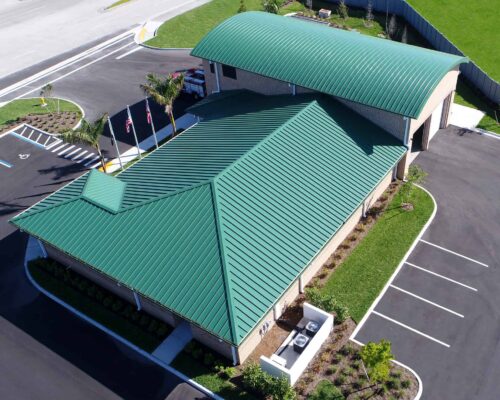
x=359 y=279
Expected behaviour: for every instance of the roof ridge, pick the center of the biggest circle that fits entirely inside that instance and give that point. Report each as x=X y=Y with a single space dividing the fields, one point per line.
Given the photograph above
x=306 y=104
x=227 y=286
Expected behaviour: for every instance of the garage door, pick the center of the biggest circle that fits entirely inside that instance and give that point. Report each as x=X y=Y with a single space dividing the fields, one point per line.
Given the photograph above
x=436 y=120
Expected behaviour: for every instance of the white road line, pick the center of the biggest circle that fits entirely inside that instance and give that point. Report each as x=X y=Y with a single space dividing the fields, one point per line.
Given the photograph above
x=455 y=253
x=59 y=147
x=72 y=152
x=91 y=161
x=23 y=130
x=427 y=301
x=66 y=63
x=79 y=155
x=411 y=329
x=129 y=52
x=441 y=276
x=84 y=158
x=31 y=133
x=65 y=150
x=35 y=89
x=53 y=144
x=38 y=138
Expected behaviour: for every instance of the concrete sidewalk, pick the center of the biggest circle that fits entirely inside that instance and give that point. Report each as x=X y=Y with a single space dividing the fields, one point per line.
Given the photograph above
x=174 y=343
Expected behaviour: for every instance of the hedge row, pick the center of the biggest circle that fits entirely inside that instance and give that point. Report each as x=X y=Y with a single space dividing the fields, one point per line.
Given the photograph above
x=103 y=297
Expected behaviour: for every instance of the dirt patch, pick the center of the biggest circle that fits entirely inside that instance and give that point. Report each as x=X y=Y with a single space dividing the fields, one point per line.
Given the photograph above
x=52 y=122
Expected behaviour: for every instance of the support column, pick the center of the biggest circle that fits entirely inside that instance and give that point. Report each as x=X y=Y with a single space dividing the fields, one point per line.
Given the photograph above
x=426 y=134
x=217 y=81
x=446 y=110
x=301 y=284
x=403 y=166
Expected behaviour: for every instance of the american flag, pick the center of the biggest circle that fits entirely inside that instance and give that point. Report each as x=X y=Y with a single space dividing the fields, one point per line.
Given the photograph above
x=128 y=123
x=148 y=112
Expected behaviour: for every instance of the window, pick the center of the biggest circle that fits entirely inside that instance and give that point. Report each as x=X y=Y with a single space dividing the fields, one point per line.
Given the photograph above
x=212 y=67
x=228 y=71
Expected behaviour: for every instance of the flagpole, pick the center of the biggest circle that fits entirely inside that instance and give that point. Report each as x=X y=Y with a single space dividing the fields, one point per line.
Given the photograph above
x=152 y=123
x=116 y=143
x=133 y=130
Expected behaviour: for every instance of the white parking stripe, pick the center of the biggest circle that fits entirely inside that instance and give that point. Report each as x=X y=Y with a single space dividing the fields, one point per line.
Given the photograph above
x=65 y=150
x=91 y=161
x=427 y=301
x=59 y=147
x=53 y=144
x=72 y=152
x=78 y=155
x=31 y=133
x=441 y=276
x=23 y=130
x=84 y=158
x=38 y=138
x=411 y=329
x=455 y=253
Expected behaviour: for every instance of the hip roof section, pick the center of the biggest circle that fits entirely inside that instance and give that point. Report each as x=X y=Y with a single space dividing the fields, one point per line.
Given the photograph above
x=380 y=73
x=216 y=224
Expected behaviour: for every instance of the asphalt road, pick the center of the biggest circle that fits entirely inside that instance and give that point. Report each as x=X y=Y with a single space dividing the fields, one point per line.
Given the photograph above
x=45 y=351
x=441 y=311
x=33 y=31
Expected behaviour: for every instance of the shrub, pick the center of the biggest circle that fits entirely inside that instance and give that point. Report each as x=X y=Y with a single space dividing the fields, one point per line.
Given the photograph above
x=108 y=300
x=377 y=357
x=331 y=370
x=321 y=300
x=343 y=10
x=393 y=383
x=226 y=372
x=117 y=305
x=162 y=329
x=153 y=326
x=405 y=384
x=190 y=347
x=340 y=380
x=208 y=359
x=353 y=237
x=255 y=379
x=145 y=320
x=197 y=353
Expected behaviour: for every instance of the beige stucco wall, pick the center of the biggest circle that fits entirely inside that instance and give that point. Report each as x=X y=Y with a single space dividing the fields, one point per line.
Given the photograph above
x=447 y=85
x=254 y=338
x=212 y=341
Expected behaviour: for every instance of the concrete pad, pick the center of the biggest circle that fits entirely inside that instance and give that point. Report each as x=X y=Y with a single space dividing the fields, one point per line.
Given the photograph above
x=465 y=117
x=174 y=343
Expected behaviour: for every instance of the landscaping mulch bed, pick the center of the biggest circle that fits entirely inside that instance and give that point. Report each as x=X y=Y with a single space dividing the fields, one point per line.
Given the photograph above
x=339 y=361
x=51 y=123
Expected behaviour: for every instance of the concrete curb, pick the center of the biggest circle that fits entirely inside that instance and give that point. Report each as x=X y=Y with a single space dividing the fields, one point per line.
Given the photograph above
x=113 y=334
x=391 y=279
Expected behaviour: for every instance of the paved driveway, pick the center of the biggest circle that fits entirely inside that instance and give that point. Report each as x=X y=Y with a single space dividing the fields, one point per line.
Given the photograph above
x=441 y=312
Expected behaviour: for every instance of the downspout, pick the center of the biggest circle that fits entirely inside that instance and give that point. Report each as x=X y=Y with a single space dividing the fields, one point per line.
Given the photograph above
x=235 y=356
x=42 y=248
x=407 y=132
x=294 y=89
x=137 y=301
x=217 y=78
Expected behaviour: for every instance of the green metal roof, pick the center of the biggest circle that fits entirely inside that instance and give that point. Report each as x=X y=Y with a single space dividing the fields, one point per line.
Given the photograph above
x=219 y=222
x=376 y=72
x=104 y=190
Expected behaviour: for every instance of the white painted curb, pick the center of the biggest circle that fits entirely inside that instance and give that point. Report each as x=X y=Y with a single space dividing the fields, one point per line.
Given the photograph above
x=389 y=282
x=117 y=337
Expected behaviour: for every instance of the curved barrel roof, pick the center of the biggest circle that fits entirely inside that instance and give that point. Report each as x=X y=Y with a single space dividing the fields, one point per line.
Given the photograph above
x=376 y=72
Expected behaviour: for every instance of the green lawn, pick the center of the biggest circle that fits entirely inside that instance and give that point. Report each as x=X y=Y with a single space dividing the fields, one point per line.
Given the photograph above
x=187 y=29
x=360 y=278
x=466 y=96
x=94 y=310
x=471 y=25
x=22 y=107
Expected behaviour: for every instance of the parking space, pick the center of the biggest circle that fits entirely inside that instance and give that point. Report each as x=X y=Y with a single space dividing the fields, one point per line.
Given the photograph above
x=440 y=311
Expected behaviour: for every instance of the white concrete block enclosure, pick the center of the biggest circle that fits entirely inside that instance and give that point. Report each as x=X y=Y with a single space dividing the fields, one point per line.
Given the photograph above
x=290 y=361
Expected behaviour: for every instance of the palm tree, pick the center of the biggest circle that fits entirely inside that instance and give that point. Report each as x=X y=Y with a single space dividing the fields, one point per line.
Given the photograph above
x=164 y=91
x=88 y=133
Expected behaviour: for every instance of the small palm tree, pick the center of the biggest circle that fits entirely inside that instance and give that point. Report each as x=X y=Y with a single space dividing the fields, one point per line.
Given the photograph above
x=272 y=6
x=164 y=91
x=88 y=133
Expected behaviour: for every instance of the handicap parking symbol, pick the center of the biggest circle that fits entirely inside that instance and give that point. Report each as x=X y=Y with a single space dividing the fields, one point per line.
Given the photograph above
x=24 y=156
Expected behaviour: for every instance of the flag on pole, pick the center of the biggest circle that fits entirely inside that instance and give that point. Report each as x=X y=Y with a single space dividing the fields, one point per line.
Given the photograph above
x=128 y=123
x=148 y=113
x=150 y=121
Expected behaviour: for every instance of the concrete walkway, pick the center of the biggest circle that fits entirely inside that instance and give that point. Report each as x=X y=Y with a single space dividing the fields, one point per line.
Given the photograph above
x=174 y=343
x=465 y=117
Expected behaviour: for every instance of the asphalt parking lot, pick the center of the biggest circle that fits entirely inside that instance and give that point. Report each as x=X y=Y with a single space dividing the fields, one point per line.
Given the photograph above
x=441 y=310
